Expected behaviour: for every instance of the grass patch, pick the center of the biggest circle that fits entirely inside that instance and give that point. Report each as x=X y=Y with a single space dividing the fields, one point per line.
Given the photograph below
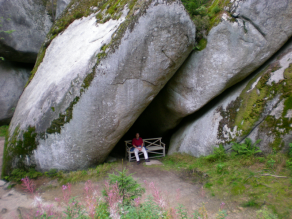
x=93 y=174
x=3 y=130
x=242 y=178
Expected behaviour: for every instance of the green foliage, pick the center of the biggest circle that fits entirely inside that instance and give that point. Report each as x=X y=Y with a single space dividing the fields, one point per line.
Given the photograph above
x=51 y=173
x=96 y=173
x=101 y=211
x=3 y=130
x=129 y=188
x=218 y=154
x=290 y=150
x=244 y=181
x=202 y=44
x=220 y=167
x=215 y=9
x=265 y=213
x=182 y=212
x=222 y=214
x=149 y=209
x=250 y=203
x=271 y=163
x=246 y=148
x=18 y=174
x=75 y=209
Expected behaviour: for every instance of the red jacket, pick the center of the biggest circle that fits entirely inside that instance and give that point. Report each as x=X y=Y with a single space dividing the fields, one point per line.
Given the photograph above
x=137 y=142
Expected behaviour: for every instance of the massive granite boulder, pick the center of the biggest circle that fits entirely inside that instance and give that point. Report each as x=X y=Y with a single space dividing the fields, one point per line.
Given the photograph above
x=94 y=81
x=259 y=108
x=61 y=5
x=30 y=22
x=234 y=50
x=13 y=78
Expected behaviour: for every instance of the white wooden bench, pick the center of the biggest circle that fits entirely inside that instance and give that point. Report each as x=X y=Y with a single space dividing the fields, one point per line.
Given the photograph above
x=153 y=146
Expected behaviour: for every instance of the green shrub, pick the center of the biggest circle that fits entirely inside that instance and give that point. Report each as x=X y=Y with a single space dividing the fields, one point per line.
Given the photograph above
x=149 y=209
x=18 y=174
x=290 y=150
x=51 y=173
x=3 y=130
x=250 y=203
x=129 y=188
x=271 y=163
x=215 y=10
x=220 y=167
x=218 y=154
x=265 y=213
x=246 y=148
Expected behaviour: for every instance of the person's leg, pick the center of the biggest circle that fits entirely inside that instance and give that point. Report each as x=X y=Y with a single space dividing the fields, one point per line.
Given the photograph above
x=145 y=153
x=136 y=154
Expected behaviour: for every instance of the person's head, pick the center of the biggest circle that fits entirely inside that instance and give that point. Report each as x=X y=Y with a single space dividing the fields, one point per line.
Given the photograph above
x=137 y=135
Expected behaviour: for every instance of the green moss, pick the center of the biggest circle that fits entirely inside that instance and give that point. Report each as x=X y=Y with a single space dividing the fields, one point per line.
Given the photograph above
x=63 y=118
x=39 y=60
x=16 y=150
x=248 y=108
x=202 y=44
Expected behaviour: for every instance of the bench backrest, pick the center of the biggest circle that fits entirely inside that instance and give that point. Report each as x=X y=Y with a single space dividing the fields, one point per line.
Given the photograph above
x=148 y=142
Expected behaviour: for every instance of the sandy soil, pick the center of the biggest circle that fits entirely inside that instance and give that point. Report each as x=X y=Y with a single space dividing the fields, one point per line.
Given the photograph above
x=176 y=187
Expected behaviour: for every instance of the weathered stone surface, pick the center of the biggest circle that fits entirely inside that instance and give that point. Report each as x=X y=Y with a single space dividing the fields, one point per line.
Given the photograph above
x=30 y=22
x=61 y=5
x=258 y=108
x=12 y=81
x=83 y=97
x=234 y=50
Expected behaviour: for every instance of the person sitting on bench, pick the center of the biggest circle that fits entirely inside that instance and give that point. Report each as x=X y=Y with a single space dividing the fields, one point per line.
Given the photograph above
x=138 y=146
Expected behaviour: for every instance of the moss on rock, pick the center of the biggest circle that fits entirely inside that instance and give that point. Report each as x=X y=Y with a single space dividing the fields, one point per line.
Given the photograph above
x=17 y=151
x=250 y=108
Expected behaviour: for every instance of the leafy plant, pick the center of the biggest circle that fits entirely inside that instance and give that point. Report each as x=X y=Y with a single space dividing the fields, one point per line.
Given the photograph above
x=52 y=173
x=3 y=130
x=247 y=148
x=290 y=150
x=220 y=167
x=75 y=209
x=129 y=189
x=222 y=214
x=271 y=163
x=149 y=209
x=265 y=213
x=18 y=174
x=101 y=211
x=218 y=154
x=182 y=212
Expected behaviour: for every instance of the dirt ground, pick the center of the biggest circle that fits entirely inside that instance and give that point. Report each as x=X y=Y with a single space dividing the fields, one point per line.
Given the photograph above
x=176 y=187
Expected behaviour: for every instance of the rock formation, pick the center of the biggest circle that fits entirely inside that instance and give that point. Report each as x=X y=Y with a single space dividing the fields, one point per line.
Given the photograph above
x=258 y=108
x=30 y=22
x=61 y=5
x=12 y=81
x=234 y=50
x=94 y=81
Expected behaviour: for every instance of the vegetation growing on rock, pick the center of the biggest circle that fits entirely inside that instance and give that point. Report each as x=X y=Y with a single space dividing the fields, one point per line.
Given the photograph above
x=250 y=109
x=205 y=14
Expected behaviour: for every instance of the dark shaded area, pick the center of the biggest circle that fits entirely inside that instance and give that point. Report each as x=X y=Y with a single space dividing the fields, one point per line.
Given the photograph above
x=146 y=132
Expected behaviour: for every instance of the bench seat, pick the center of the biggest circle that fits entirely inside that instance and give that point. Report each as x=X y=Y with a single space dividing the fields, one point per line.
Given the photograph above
x=154 y=146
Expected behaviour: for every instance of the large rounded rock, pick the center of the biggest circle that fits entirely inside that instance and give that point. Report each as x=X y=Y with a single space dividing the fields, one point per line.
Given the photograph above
x=258 y=108
x=234 y=50
x=13 y=78
x=93 y=83
x=30 y=22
